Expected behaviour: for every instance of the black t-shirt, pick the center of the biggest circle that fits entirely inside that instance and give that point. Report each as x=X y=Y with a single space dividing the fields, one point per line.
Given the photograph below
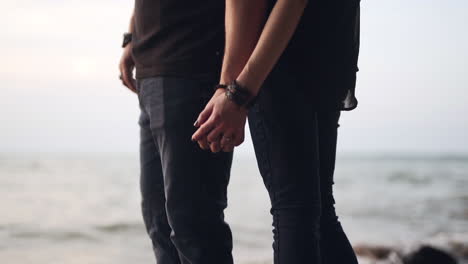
x=178 y=37
x=186 y=38
x=323 y=53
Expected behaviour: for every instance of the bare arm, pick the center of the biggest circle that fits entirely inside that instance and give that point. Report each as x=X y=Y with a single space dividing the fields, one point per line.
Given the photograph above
x=222 y=118
x=132 y=22
x=277 y=33
x=241 y=37
x=127 y=64
x=241 y=34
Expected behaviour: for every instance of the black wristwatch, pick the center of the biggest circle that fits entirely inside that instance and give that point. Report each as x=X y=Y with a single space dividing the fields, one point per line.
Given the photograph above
x=127 y=38
x=240 y=95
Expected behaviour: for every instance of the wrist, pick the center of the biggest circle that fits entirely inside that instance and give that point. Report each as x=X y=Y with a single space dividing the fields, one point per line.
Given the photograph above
x=249 y=85
x=228 y=75
x=128 y=47
x=221 y=85
x=127 y=51
x=219 y=89
x=240 y=95
x=127 y=39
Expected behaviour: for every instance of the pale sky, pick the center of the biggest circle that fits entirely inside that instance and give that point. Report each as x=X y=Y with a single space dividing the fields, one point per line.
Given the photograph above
x=60 y=87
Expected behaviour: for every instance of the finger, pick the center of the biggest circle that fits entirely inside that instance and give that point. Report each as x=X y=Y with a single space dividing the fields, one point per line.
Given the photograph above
x=127 y=82
x=215 y=147
x=203 y=143
x=123 y=82
x=215 y=134
x=239 y=139
x=203 y=130
x=130 y=83
x=227 y=139
x=228 y=147
x=121 y=76
x=227 y=142
x=133 y=84
x=128 y=79
x=204 y=115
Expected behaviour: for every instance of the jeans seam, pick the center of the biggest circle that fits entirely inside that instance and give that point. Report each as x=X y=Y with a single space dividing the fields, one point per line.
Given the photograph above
x=261 y=127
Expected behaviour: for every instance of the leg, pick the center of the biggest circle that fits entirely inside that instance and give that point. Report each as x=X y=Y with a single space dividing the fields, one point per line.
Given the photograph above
x=195 y=181
x=153 y=198
x=285 y=140
x=334 y=245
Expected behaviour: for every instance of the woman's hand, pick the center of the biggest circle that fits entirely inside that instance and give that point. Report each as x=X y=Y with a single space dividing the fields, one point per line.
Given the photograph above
x=221 y=124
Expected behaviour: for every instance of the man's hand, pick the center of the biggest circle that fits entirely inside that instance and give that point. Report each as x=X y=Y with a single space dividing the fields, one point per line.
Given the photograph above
x=126 y=67
x=221 y=124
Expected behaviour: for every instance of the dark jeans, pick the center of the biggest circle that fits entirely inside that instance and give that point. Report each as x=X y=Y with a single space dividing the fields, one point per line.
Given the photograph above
x=295 y=148
x=183 y=187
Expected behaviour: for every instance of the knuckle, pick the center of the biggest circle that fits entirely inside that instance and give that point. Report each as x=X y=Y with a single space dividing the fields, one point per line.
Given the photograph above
x=209 y=124
x=216 y=118
x=228 y=148
x=204 y=129
x=211 y=137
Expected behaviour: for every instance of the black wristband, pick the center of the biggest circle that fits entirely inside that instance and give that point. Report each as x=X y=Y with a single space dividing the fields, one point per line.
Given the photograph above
x=223 y=86
x=239 y=95
x=127 y=38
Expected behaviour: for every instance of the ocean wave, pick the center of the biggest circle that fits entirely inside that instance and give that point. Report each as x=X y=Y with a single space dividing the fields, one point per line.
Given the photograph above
x=409 y=177
x=53 y=235
x=120 y=227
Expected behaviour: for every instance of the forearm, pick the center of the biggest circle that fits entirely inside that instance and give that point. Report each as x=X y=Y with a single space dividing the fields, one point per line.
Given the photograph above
x=277 y=33
x=132 y=23
x=127 y=63
x=244 y=23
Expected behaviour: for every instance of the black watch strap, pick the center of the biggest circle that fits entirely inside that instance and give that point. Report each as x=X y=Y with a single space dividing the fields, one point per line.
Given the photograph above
x=223 y=86
x=240 y=95
x=127 y=38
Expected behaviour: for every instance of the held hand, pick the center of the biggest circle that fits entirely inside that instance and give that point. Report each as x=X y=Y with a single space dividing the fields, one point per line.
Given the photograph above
x=221 y=124
x=126 y=67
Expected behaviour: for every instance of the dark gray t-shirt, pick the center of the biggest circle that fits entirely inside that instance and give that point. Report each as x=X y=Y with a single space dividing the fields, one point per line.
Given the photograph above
x=178 y=37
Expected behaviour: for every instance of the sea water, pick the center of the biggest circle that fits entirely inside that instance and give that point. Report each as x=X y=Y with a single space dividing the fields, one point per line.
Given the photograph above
x=85 y=208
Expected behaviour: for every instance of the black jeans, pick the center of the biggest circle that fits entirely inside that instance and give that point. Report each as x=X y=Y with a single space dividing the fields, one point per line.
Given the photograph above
x=183 y=187
x=296 y=148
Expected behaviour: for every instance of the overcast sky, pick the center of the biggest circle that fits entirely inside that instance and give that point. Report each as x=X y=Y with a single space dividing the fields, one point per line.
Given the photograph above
x=60 y=87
